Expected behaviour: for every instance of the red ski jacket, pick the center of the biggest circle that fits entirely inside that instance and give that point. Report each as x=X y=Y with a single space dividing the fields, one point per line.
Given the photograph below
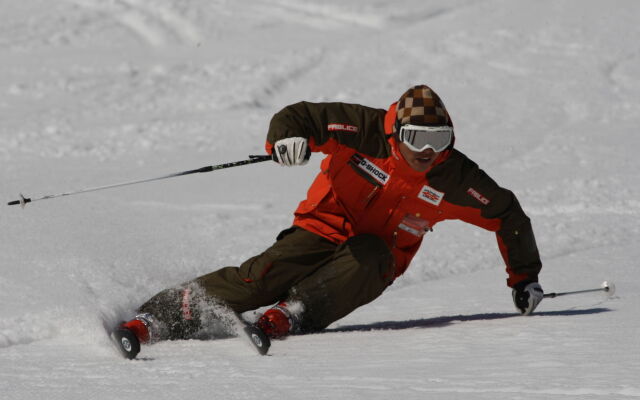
x=366 y=186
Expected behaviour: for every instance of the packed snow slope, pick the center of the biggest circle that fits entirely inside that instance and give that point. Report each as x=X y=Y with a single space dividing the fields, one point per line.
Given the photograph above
x=544 y=96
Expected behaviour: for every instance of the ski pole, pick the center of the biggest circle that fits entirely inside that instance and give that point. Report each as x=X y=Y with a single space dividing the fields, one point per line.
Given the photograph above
x=607 y=287
x=252 y=159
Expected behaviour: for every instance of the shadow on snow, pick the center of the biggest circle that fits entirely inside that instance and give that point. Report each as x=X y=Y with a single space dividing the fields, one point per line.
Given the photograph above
x=439 y=322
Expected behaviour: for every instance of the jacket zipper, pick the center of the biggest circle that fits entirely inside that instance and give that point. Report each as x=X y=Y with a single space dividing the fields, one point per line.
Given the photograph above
x=370 y=196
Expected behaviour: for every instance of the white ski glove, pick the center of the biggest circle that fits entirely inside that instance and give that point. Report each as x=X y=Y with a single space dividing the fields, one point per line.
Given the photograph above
x=527 y=296
x=291 y=151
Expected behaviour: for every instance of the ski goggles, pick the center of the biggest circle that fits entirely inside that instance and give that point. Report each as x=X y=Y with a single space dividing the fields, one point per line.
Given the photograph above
x=419 y=138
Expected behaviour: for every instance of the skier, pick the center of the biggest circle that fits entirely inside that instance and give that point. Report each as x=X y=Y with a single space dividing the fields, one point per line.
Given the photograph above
x=389 y=176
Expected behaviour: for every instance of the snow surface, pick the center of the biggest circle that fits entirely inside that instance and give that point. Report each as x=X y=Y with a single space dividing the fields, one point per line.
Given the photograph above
x=545 y=97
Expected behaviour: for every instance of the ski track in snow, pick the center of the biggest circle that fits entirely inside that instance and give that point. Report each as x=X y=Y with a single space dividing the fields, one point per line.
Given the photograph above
x=155 y=24
x=320 y=16
x=544 y=96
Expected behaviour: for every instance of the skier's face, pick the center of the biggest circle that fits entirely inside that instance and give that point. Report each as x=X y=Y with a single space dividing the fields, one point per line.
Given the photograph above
x=420 y=161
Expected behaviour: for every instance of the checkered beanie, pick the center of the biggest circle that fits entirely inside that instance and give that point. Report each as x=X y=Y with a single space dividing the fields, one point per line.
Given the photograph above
x=422 y=106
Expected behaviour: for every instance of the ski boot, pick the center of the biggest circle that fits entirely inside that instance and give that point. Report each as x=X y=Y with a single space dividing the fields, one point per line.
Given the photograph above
x=130 y=335
x=278 y=321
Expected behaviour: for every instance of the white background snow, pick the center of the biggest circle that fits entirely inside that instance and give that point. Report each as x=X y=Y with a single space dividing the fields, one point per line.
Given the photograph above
x=545 y=97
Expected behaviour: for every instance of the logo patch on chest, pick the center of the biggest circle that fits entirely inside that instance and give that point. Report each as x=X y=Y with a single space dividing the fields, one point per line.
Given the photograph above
x=370 y=169
x=430 y=195
x=343 y=128
x=476 y=195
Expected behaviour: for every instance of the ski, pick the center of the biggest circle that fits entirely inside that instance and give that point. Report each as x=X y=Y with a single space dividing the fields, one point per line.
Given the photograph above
x=258 y=339
x=126 y=342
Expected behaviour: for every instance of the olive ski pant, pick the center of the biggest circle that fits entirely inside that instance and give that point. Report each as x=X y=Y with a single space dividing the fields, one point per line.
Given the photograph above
x=328 y=280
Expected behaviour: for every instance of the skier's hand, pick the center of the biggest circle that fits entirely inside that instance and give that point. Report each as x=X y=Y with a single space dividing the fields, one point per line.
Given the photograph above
x=291 y=151
x=527 y=296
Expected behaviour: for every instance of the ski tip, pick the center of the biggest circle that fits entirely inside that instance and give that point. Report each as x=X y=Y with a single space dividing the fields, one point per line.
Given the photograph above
x=258 y=338
x=126 y=342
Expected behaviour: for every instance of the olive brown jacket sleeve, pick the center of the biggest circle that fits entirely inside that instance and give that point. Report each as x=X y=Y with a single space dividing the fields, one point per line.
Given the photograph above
x=479 y=200
x=328 y=125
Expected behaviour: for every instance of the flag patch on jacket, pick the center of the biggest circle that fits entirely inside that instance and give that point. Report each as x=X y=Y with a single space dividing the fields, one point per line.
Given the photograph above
x=430 y=195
